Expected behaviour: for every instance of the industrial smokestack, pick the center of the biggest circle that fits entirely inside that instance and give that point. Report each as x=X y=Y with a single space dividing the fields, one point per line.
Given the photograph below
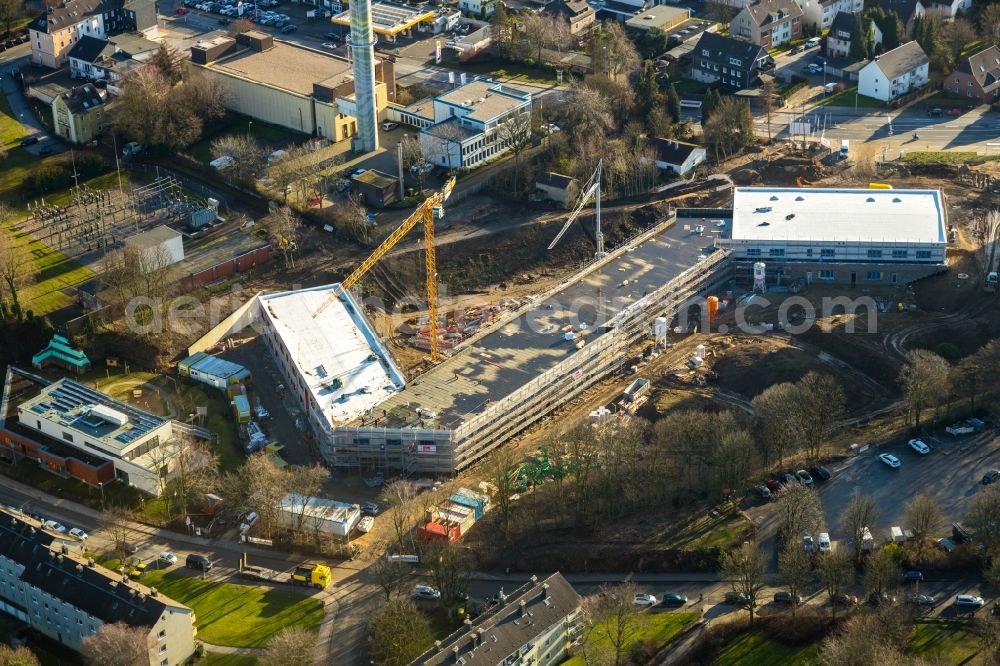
x=362 y=43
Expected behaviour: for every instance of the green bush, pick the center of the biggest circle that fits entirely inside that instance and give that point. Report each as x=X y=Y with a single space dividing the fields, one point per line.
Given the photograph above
x=47 y=178
x=948 y=351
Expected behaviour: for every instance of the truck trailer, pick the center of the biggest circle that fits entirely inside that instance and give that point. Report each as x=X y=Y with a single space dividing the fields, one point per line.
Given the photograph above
x=310 y=574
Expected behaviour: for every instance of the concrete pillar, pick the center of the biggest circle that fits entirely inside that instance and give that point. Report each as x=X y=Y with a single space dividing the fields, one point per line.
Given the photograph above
x=362 y=43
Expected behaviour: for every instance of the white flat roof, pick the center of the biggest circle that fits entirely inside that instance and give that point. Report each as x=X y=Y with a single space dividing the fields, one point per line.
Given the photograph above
x=339 y=344
x=834 y=214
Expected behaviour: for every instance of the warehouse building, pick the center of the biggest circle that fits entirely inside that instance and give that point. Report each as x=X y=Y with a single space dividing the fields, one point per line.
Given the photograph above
x=72 y=430
x=536 y=624
x=288 y=85
x=68 y=598
x=856 y=236
x=213 y=371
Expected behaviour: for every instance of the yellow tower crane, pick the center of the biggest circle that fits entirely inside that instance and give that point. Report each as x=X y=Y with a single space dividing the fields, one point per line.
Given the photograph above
x=431 y=208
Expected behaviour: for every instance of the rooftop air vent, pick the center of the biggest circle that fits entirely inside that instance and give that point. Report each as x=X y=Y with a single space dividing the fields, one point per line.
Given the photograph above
x=800 y=198
x=764 y=224
x=870 y=199
x=896 y=200
x=774 y=197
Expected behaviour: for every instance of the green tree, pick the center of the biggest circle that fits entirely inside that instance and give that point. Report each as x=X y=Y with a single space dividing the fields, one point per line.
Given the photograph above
x=20 y=656
x=10 y=11
x=648 y=92
x=859 y=45
x=889 y=25
x=674 y=104
x=708 y=104
x=400 y=633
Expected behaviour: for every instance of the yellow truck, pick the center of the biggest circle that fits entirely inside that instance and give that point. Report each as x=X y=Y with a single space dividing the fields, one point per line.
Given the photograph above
x=314 y=574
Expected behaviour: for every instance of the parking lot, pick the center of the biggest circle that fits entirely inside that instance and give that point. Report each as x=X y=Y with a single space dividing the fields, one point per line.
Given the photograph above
x=950 y=473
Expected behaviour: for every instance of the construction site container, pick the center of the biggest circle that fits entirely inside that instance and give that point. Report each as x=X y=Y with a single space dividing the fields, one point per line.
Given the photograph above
x=896 y=533
x=437 y=532
x=451 y=513
x=480 y=495
x=471 y=502
x=241 y=408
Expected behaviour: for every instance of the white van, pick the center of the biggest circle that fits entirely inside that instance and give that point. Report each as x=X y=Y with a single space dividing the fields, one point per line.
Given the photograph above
x=248 y=521
x=845 y=148
x=812 y=41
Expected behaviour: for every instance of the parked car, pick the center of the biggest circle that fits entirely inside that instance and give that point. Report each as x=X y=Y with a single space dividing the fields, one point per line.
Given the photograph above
x=53 y=525
x=137 y=569
x=884 y=599
x=77 y=533
x=844 y=599
x=674 y=599
x=787 y=598
x=196 y=561
x=789 y=479
x=991 y=477
x=808 y=544
x=913 y=577
x=181 y=11
x=248 y=521
x=795 y=50
x=889 y=459
x=969 y=601
x=370 y=509
x=29 y=141
x=166 y=557
x=824 y=542
x=332 y=36
x=804 y=477
x=735 y=598
x=131 y=548
x=821 y=472
x=774 y=485
x=643 y=599
x=921 y=599
x=289 y=27
x=389 y=125
x=426 y=592
x=935 y=112
x=919 y=446
x=764 y=493
x=329 y=46
x=955 y=113
x=422 y=168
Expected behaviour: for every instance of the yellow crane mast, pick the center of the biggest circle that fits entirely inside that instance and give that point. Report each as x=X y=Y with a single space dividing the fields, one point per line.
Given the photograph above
x=431 y=208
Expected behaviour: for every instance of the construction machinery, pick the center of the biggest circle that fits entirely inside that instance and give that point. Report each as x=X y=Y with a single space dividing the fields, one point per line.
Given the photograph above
x=591 y=189
x=430 y=210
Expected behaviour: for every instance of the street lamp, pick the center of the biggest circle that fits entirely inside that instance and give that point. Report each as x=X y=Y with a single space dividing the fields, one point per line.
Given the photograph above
x=100 y=484
x=249 y=125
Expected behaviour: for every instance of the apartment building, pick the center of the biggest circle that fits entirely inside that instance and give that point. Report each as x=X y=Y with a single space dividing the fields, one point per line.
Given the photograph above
x=46 y=585
x=62 y=25
x=768 y=23
x=734 y=64
x=977 y=76
x=821 y=13
x=842 y=33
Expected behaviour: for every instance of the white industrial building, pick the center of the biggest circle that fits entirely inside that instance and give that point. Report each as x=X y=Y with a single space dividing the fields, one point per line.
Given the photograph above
x=159 y=247
x=834 y=234
x=318 y=514
x=213 y=371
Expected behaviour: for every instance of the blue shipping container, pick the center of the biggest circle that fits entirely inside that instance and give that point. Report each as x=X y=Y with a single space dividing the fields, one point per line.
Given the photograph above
x=471 y=502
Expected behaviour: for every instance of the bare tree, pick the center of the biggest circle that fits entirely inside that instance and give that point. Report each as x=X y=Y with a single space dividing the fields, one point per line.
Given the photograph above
x=137 y=280
x=863 y=639
x=614 y=50
x=351 y=218
x=389 y=575
x=981 y=516
x=989 y=23
x=821 y=402
x=256 y=485
x=836 y=571
x=502 y=471
x=292 y=646
x=778 y=418
x=800 y=513
x=767 y=95
x=956 y=34
x=924 y=516
x=796 y=569
x=881 y=571
x=413 y=159
x=247 y=157
x=117 y=524
x=986 y=233
x=614 y=620
x=400 y=633
x=515 y=135
x=399 y=495
x=306 y=481
x=117 y=644
x=239 y=26
x=744 y=569
x=448 y=566
x=860 y=513
x=196 y=470
x=925 y=381
x=282 y=227
x=14 y=269
x=10 y=11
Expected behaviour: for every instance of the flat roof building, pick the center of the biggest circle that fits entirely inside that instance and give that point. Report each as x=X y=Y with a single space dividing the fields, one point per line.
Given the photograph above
x=318 y=514
x=841 y=234
x=659 y=17
x=68 y=598
x=214 y=371
x=391 y=20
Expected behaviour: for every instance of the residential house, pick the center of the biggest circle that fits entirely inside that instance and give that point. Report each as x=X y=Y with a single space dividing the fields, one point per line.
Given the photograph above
x=557 y=187
x=894 y=73
x=55 y=32
x=734 y=64
x=109 y=59
x=534 y=624
x=677 y=156
x=47 y=585
x=480 y=9
x=768 y=23
x=947 y=9
x=465 y=132
x=821 y=13
x=78 y=116
x=838 y=40
x=906 y=10
x=977 y=76
x=72 y=430
x=578 y=14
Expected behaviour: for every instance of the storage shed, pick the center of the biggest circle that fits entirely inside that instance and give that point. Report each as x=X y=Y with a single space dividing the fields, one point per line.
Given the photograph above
x=214 y=371
x=377 y=189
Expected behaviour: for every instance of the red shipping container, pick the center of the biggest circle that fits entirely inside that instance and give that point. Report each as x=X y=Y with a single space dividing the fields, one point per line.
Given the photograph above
x=438 y=532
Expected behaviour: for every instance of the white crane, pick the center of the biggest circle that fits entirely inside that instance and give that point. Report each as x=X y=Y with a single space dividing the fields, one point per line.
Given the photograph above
x=591 y=189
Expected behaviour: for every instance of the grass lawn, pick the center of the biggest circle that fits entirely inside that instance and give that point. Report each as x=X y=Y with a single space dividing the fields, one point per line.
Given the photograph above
x=235 y=123
x=847 y=98
x=945 y=641
x=211 y=659
x=946 y=157
x=661 y=627
x=237 y=615
x=755 y=648
x=11 y=129
x=704 y=532
x=506 y=70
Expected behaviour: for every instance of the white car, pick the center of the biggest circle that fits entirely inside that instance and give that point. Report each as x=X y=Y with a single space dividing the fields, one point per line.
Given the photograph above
x=824 y=542
x=969 y=600
x=53 y=525
x=919 y=446
x=426 y=592
x=389 y=125
x=330 y=46
x=889 y=459
x=643 y=599
x=79 y=534
x=358 y=172
x=167 y=557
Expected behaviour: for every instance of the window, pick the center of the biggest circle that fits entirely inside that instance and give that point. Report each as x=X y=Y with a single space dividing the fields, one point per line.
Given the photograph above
x=68 y=437
x=162 y=634
x=809 y=252
x=827 y=253
x=923 y=254
x=874 y=254
x=874 y=276
x=753 y=252
x=776 y=252
x=826 y=275
x=163 y=648
x=900 y=254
